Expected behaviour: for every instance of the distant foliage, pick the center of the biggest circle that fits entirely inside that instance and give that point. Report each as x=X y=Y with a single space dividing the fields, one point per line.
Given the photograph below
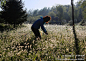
x=60 y=14
x=83 y=6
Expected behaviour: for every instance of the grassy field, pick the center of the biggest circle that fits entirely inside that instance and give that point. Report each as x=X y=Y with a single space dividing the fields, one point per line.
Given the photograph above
x=20 y=45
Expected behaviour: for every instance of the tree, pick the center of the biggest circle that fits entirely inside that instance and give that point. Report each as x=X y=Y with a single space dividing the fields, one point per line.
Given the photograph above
x=35 y=13
x=78 y=13
x=70 y=12
x=83 y=6
x=66 y=13
x=53 y=15
x=43 y=11
x=13 y=12
x=75 y=36
x=60 y=12
x=84 y=9
x=2 y=2
x=30 y=13
x=53 y=9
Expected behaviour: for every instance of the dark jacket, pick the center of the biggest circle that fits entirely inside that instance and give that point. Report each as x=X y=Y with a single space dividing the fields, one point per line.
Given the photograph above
x=39 y=23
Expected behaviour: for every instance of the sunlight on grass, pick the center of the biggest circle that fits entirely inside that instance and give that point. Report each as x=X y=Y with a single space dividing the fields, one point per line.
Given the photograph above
x=20 y=44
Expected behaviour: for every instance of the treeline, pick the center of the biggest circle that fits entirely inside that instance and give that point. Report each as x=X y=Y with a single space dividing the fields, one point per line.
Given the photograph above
x=12 y=13
x=60 y=14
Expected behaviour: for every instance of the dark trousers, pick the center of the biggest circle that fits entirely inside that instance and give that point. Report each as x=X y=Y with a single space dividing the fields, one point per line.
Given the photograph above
x=36 y=32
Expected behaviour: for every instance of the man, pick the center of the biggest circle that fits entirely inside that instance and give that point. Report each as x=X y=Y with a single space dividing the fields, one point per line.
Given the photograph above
x=39 y=23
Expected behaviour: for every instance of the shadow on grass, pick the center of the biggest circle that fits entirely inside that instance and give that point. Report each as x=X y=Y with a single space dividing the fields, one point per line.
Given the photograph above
x=28 y=45
x=3 y=28
x=9 y=27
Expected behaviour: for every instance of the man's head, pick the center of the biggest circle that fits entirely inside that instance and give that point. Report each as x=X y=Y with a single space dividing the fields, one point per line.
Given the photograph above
x=46 y=19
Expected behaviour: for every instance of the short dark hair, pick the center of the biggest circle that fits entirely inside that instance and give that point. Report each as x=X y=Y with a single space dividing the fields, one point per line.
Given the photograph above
x=47 y=18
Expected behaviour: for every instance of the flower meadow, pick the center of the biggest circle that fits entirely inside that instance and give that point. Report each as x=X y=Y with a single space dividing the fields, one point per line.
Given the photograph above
x=59 y=44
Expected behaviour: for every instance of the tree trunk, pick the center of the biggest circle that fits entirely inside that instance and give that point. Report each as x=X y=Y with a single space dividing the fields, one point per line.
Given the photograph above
x=75 y=36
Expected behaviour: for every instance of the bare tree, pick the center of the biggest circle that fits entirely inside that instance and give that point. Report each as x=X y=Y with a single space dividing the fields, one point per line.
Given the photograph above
x=75 y=36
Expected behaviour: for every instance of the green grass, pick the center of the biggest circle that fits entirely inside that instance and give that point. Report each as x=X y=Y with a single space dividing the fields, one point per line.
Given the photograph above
x=20 y=44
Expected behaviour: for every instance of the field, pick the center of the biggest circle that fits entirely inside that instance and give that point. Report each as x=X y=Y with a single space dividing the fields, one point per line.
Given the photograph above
x=20 y=45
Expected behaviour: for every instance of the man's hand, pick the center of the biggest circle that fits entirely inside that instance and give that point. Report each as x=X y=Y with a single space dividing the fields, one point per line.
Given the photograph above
x=46 y=33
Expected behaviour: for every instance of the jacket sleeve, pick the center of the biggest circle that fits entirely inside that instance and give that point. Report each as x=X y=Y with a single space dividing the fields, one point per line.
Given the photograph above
x=42 y=27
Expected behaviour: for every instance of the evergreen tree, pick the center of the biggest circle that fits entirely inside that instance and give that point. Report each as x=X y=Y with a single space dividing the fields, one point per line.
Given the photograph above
x=13 y=12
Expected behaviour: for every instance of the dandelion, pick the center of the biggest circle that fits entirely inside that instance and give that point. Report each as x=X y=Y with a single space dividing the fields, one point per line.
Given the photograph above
x=67 y=49
x=24 y=43
x=27 y=39
x=19 y=44
x=27 y=44
x=19 y=53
